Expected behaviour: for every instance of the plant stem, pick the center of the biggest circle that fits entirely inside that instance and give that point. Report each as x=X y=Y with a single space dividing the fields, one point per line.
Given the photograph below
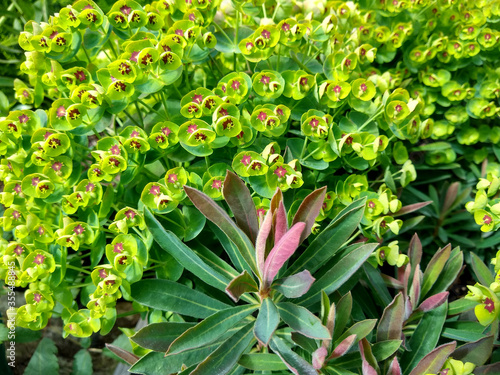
x=76 y=268
x=131 y=118
x=150 y=108
x=304 y=148
x=164 y=101
x=140 y=113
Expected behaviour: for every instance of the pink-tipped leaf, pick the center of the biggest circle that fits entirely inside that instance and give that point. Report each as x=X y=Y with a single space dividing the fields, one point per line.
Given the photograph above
x=281 y=223
x=433 y=301
x=281 y=252
x=343 y=347
x=262 y=236
x=318 y=357
x=394 y=368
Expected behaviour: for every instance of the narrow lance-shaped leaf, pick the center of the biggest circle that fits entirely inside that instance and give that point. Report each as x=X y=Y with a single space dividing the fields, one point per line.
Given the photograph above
x=425 y=337
x=390 y=326
x=281 y=252
x=343 y=347
x=338 y=274
x=481 y=270
x=308 y=211
x=414 y=253
x=433 y=361
x=262 y=362
x=128 y=357
x=433 y=301
x=159 y=336
x=394 y=368
x=183 y=254
x=210 y=329
x=223 y=360
x=476 y=352
x=240 y=201
x=295 y=363
x=218 y=216
x=167 y=295
x=318 y=357
x=342 y=314
x=294 y=286
x=260 y=244
x=281 y=223
x=303 y=321
x=267 y=321
x=360 y=329
x=243 y=283
x=366 y=366
x=451 y=196
x=434 y=268
x=411 y=208
x=329 y=241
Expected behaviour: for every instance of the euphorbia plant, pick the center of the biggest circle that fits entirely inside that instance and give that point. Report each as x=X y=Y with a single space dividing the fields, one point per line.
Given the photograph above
x=276 y=285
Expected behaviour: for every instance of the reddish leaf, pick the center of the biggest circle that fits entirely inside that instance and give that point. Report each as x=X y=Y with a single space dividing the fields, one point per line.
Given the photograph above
x=451 y=196
x=128 y=357
x=415 y=252
x=309 y=210
x=260 y=244
x=367 y=357
x=240 y=201
x=391 y=282
x=391 y=323
x=281 y=225
x=414 y=293
x=343 y=347
x=276 y=199
x=219 y=217
x=241 y=284
x=411 y=208
x=433 y=301
x=318 y=357
x=433 y=361
x=281 y=252
x=394 y=368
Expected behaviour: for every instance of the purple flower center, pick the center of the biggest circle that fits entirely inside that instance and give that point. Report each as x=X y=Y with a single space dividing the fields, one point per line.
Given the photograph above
x=118 y=247
x=280 y=172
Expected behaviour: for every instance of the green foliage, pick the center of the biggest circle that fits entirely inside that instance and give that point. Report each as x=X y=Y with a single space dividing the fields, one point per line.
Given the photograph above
x=298 y=129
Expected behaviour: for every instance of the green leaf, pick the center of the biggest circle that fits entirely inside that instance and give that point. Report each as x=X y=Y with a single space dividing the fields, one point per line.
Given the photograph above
x=342 y=314
x=303 y=321
x=267 y=321
x=433 y=361
x=223 y=360
x=360 y=329
x=218 y=216
x=195 y=222
x=294 y=286
x=449 y=274
x=308 y=211
x=230 y=248
x=107 y=201
x=481 y=270
x=82 y=363
x=166 y=295
x=292 y=360
x=241 y=284
x=460 y=306
x=476 y=352
x=210 y=329
x=155 y=363
x=390 y=326
x=159 y=336
x=183 y=254
x=262 y=362
x=381 y=350
x=240 y=202
x=434 y=269
x=44 y=360
x=330 y=240
x=377 y=284
x=338 y=274
x=425 y=337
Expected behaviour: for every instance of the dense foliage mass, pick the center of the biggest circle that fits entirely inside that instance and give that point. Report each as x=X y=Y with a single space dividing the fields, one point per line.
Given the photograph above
x=304 y=132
